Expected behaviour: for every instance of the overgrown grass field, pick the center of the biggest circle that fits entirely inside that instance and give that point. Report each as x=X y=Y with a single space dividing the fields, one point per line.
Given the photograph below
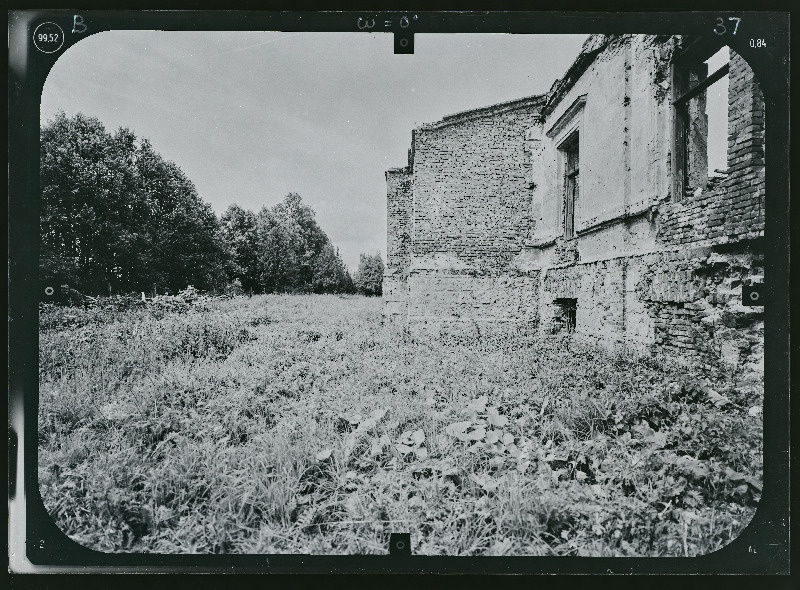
x=302 y=424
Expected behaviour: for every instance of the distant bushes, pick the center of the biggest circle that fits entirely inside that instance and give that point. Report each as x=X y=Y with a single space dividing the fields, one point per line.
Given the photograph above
x=369 y=276
x=283 y=250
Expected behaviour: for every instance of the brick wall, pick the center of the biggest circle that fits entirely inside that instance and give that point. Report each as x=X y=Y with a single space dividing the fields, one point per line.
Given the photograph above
x=693 y=296
x=733 y=210
x=457 y=296
x=695 y=300
x=685 y=302
x=399 y=182
x=471 y=195
x=598 y=288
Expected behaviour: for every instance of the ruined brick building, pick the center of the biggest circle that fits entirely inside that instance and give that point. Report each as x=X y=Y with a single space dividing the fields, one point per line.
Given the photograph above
x=591 y=208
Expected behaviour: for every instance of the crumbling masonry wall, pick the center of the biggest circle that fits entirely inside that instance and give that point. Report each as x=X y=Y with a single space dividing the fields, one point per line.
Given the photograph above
x=476 y=226
x=733 y=210
x=694 y=298
x=696 y=301
x=471 y=200
x=470 y=213
x=398 y=241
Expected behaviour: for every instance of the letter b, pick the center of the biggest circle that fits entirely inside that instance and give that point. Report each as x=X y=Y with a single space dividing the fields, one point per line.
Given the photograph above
x=78 y=26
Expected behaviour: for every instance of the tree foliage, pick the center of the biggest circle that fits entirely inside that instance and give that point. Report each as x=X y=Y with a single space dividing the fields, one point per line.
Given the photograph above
x=283 y=250
x=369 y=276
x=239 y=228
x=116 y=216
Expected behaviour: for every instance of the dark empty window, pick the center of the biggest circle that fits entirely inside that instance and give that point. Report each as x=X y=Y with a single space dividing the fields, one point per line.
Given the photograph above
x=569 y=151
x=566 y=318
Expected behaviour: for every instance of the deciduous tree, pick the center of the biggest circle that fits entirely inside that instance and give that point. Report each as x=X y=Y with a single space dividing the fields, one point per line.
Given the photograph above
x=369 y=276
x=116 y=216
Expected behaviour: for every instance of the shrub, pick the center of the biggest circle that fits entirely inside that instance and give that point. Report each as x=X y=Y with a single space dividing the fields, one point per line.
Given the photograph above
x=296 y=424
x=368 y=279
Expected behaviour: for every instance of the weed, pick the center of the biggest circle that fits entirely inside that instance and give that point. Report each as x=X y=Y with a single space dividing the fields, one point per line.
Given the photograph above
x=297 y=424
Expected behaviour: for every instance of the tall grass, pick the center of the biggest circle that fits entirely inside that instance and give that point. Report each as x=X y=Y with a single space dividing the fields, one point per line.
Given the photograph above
x=301 y=424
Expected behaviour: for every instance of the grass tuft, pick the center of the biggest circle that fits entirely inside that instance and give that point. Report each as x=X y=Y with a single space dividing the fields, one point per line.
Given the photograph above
x=300 y=424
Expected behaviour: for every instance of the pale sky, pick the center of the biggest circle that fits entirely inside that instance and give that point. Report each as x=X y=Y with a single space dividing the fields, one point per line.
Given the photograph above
x=253 y=116
x=717 y=111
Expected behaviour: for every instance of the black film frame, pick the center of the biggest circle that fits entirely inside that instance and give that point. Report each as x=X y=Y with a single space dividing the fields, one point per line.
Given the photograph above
x=762 y=548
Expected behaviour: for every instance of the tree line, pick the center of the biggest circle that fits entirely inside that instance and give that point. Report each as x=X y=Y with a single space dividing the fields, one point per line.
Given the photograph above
x=116 y=217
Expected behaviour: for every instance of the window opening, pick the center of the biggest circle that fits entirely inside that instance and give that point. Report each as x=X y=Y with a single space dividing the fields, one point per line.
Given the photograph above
x=571 y=182
x=701 y=132
x=567 y=316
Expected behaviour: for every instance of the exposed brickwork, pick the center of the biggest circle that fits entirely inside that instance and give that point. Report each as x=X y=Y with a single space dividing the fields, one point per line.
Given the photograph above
x=599 y=290
x=472 y=200
x=694 y=298
x=566 y=251
x=476 y=234
x=398 y=239
x=465 y=296
x=686 y=302
x=734 y=209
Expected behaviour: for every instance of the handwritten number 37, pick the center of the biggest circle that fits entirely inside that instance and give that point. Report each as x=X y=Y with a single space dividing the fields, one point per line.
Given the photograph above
x=721 y=29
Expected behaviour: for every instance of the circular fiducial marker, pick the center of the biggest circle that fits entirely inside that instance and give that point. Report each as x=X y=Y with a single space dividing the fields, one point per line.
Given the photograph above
x=404 y=42
x=400 y=545
x=48 y=37
x=754 y=296
x=48 y=291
